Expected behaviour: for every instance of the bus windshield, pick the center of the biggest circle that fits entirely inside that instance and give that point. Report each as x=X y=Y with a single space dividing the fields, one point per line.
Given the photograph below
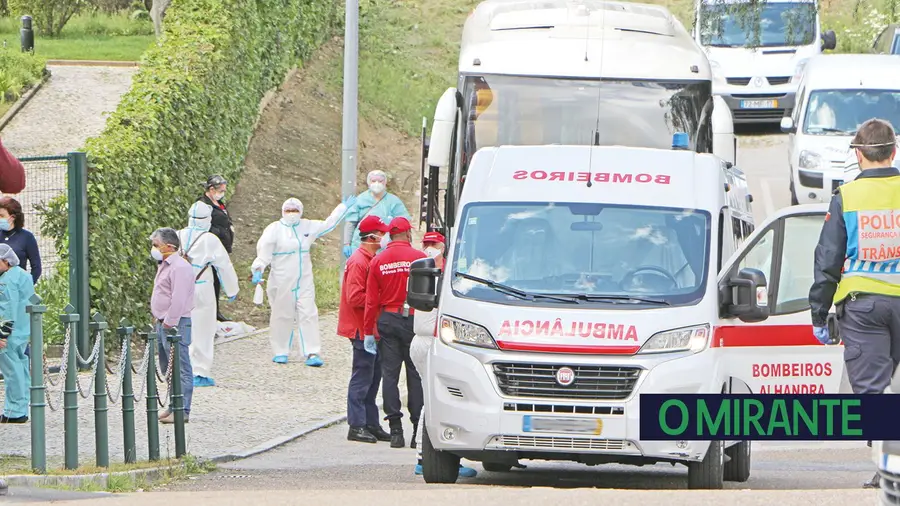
x=526 y=111
x=761 y=24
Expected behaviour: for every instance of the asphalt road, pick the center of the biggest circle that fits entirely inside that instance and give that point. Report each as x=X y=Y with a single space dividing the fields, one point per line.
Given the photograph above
x=324 y=468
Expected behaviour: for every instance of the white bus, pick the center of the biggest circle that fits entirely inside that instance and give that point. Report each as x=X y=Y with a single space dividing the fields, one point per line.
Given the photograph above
x=571 y=73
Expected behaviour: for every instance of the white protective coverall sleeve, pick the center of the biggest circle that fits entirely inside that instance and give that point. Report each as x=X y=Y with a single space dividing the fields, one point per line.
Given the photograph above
x=205 y=251
x=284 y=248
x=424 y=327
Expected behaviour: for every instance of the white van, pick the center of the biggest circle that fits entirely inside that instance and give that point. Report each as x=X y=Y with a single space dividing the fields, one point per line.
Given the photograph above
x=836 y=94
x=756 y=51
x=579 y=277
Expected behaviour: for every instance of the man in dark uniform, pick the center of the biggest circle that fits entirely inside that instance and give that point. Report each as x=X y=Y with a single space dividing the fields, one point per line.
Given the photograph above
x=386 y=305
x=221 y=226
x=857 y=265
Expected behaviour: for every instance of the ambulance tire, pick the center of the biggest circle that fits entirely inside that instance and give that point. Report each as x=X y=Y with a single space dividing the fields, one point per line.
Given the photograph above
x=738 y=468
x=708 y=474
x=438 y=466
x=496 y=467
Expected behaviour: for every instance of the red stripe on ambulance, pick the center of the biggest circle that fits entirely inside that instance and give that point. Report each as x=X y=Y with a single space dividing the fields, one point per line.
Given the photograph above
x=763 y=336
x=564 y=348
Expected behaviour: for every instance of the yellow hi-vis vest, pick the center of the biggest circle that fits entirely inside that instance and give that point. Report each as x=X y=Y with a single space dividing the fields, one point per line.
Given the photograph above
x=872 y=218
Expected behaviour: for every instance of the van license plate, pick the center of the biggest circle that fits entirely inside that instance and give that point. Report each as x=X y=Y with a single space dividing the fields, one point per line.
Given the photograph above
x=759 y=104
x=565 y=425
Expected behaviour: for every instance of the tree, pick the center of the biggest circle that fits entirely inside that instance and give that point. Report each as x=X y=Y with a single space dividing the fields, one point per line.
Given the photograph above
x=157 y=12
x=50 y=16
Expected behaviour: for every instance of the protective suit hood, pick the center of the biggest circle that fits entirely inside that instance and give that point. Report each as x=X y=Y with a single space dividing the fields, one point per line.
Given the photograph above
x=200 y=216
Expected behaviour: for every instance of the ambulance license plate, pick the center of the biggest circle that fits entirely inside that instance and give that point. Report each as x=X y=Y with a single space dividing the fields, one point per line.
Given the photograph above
x=759 y=104
x=562 y=425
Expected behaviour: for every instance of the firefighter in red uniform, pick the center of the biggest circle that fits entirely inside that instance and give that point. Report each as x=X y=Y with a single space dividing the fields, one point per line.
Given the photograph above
x=365 y=378
x=386 y=306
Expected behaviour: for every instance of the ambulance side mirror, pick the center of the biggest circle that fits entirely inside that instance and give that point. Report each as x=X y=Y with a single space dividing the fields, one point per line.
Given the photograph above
x=421 y=293
x=750 y=296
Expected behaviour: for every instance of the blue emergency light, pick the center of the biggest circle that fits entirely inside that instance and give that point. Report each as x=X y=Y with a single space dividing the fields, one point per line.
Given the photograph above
x=680 y=141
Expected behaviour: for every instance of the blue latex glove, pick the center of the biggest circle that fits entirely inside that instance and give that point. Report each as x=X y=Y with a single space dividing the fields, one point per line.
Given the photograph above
x=348 y=251
x=350 y=202
x=257 y=277
x=369 y=345
x=821 y=334
x=232 y=298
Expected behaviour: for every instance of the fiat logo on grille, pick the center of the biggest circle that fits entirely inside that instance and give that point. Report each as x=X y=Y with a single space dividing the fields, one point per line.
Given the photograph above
x=565 y=376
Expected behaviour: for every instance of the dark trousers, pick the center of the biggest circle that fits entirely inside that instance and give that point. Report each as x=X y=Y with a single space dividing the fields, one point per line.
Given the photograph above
x=217 y=288
x=184 y=355
x=396 y=333
x=365 y=379
x=870 y=329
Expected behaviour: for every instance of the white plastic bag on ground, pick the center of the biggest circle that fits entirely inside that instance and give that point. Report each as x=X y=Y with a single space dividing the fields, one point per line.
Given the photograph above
x=231 y=329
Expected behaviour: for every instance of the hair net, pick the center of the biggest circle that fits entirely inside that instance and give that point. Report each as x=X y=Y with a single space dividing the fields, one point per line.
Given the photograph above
x=7 y=254
x=376 y=173
x=200 y=216
x=292 y=203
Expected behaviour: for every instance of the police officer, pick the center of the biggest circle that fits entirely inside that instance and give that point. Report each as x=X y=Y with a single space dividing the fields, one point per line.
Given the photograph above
x=386 y=305
x=859 y=271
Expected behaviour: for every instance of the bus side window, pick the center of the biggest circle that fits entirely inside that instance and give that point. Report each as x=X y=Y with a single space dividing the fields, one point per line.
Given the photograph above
x=748 y=228
x=722 y=252
x=738 y=231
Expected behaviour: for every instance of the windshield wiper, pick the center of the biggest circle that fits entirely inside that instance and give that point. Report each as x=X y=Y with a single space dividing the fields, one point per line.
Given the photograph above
x=613 y=298
x=833 y=130
x=514 y=292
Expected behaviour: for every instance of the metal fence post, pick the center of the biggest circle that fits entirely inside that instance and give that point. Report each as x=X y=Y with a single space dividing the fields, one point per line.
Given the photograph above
x=79 y=289
x=152 y=397
x=26 y=35
x=38 y=437
x=177 y=393
x=125 y=331
x=101 y=409
x=70 y=401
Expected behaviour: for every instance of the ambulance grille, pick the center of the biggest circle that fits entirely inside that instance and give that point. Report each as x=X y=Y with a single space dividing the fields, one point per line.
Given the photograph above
x=890 y=487
x=559 y=443
x=591 y=382
x=738 y=81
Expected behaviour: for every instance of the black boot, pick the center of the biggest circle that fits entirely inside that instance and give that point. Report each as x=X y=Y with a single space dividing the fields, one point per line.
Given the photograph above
x=397 y=440
x=412 y=441
x=379 y=433
x=361 y=435
x=222 y=318
x=20 y=419
x=875 y=482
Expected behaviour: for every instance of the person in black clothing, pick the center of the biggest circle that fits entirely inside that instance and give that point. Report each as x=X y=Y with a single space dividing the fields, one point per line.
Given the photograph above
x=221 y=226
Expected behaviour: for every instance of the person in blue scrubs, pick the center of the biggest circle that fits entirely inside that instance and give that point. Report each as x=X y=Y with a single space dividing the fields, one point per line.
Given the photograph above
x=16 y=288
x=23 y=242
x=375 y=201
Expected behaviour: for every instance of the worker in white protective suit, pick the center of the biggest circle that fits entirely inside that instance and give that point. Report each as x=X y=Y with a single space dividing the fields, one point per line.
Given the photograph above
x=284 y=247
x=209 y=258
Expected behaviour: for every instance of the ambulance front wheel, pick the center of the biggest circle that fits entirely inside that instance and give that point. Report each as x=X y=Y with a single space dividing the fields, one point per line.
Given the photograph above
x=438 y=466
x=708 y=473
x=738 y=468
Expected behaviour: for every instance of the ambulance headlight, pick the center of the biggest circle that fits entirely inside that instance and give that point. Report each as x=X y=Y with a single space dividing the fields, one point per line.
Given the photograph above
x=462 y=332
x=717 y=73
x=693 y=339
x=811 y=160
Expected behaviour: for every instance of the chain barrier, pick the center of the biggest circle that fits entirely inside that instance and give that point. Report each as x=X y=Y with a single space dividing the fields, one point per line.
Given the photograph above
x=63 y=367
x=172 y=347
x=145 y=364
x=114 y=399
x=95 y=355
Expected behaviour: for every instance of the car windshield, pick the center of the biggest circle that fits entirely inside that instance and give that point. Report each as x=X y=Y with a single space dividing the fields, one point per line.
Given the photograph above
x=526 y=111
x=582 y=253
x=841 y=112
x=762 y=24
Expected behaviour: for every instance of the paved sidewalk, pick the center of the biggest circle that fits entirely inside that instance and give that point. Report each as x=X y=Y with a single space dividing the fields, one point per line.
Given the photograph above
x=254 y=402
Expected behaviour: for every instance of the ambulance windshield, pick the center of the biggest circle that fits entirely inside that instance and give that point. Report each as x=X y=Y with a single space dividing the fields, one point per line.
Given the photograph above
x=599 y=254
x=531 y=111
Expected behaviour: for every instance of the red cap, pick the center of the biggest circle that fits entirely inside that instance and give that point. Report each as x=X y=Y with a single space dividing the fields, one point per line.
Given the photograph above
x=433 y=237
x=399 y=225
x=371 y=224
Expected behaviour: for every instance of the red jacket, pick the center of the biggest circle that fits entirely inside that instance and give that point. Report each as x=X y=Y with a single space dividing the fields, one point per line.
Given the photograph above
x=353 y=295
x=12 y=172
x=386 y=284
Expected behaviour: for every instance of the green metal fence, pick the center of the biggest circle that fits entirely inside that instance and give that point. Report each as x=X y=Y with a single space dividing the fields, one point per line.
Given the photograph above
x=45 y=180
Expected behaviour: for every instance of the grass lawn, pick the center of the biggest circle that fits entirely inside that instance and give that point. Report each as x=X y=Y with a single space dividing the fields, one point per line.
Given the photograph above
x=88 y=37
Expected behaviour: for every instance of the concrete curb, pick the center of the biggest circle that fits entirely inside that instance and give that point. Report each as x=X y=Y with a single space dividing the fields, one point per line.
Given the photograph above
x=78 y=481
x=279 y=441
x=93 y=63
x=23 y=100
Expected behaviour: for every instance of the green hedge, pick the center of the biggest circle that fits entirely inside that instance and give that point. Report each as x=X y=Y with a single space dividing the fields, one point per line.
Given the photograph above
x=189 y=113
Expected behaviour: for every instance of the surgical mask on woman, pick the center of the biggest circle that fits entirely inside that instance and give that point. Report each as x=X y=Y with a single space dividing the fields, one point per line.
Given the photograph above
x=5 y=225
x=376 y=187
x=432 y=252
x=156 y=254
x=219 y=196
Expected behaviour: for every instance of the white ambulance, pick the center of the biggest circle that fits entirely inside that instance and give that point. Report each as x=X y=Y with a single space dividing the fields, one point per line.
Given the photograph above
x=579 y=277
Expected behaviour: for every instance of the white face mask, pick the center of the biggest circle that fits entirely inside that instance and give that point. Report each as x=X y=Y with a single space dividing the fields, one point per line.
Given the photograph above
x=291 y=218
x=156 y=254
x=385 y=241
x=219 y=196
x=432 y=252
x=376 y=188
